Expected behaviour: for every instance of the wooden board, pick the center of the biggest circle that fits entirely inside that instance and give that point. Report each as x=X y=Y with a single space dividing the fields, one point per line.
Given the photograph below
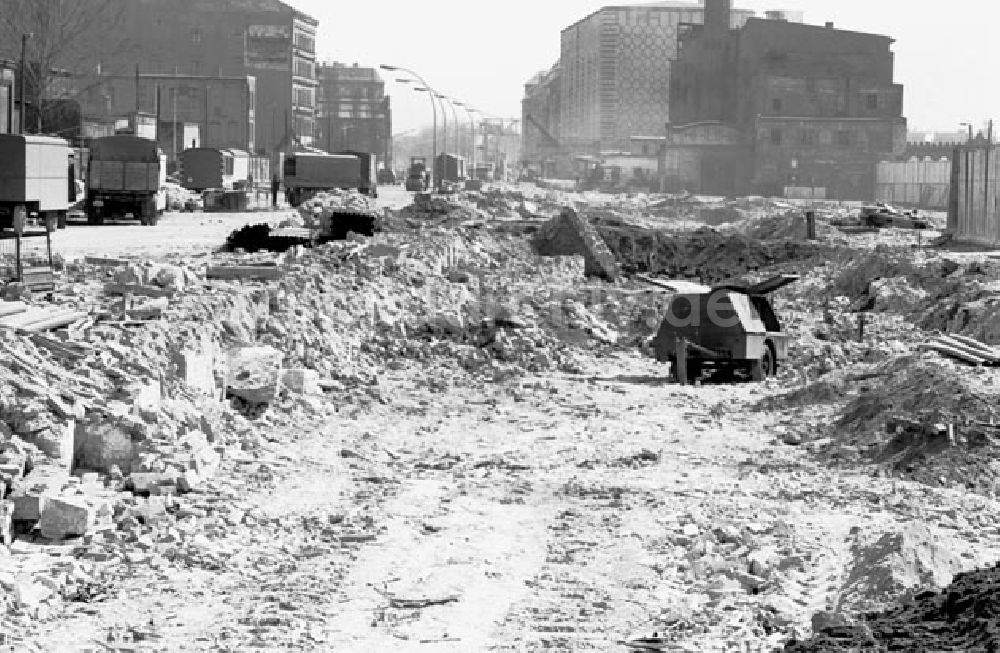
x=263 y=273
x=137 y=290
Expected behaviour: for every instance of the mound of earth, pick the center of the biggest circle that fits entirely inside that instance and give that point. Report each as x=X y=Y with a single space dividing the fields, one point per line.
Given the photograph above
x=965 y=616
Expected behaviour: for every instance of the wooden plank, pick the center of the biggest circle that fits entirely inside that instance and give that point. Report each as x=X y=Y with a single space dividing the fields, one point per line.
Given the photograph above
x=55 y=322
x=975 y=344
x=954 y=353
x=960 y=346
x=106 y=262
x=264 y=273
x=136 y=289
x=20 y=319
x=12 y=308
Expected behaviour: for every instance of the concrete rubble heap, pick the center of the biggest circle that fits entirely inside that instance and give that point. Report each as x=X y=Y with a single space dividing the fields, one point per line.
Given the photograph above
x=386 y=436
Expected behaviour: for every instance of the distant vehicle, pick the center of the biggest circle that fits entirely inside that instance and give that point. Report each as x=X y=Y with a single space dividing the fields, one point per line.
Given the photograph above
x=449 y=167
x=417 y=177
x=729 y=327
x=386 y=177
x=35 y=180
x=368 y=178
x=203 y=168
x=305 y=174
x=126 y=175
x=884 y=215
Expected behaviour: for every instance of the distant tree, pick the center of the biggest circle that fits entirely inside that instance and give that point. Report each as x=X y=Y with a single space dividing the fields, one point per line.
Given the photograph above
x=67 y=39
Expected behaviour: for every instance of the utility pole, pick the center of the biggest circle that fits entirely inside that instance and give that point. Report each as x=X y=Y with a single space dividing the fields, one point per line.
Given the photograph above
x=24 y=74
x=986 y=172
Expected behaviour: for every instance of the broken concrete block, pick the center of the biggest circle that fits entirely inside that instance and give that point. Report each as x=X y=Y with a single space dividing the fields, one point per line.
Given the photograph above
x=66 y=517
x=301 y=381
x=102 y=443
x=188 y=481
x=33 y=491
x=29 y=595
x=6 y=522
x=130 y=275
x=55 y=441
x=145 y=399
x=252 y=373
x=148 y=482
x=170 y=276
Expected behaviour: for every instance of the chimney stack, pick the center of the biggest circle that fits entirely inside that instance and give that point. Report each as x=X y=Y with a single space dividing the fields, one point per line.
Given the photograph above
x=717 y=16
x=829 y=25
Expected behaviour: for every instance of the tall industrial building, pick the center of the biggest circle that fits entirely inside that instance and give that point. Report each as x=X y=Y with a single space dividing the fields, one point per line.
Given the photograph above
x=615 y=72
x=781 y=108
x=264 y=39
x=353 y=111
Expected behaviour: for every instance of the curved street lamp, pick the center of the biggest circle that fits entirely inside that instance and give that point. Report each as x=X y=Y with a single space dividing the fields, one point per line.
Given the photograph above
x=433 y=107
x=472 y=128
x=454 y=113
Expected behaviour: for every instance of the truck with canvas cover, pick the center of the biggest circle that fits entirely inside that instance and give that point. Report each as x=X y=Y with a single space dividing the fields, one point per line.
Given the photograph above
x=449 y=167
x=417 y=179
x=35 y=180
x=367 y=170
x=204 y=168
x=125 y=177
x=306 y=174
x=729 y=329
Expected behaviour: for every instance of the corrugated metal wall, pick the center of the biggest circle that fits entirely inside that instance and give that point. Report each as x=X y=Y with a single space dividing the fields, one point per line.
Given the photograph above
x=924 y=184
x=974 y=216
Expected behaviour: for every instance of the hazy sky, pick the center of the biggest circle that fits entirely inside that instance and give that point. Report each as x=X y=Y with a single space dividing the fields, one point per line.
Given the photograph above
x=483 y=52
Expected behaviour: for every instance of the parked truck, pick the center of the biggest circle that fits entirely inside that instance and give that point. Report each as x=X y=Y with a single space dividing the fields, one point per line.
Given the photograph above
x=306 y=174
x=35 y=180
x=126 y=176
x=203 y=168
x=450 y=168
x=368 y=162
x=417 y=178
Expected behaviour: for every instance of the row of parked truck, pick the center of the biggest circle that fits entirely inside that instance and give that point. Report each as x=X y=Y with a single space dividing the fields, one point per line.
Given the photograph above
x=126 y=176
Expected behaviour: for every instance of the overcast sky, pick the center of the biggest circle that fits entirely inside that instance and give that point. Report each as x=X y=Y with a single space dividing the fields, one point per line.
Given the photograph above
x=483 y=52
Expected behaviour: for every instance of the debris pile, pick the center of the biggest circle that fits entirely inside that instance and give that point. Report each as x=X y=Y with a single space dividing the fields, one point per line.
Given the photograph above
x=963 y=616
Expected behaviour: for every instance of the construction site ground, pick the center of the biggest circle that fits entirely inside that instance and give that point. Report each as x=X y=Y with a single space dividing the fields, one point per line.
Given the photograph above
x=567 y=508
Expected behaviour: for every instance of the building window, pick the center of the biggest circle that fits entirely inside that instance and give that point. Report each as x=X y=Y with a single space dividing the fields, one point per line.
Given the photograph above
x=345 y=111
x=645 y=149
x=196 y=35
x=872 y=101
x=845 y=138
x=364 y=111
x=775 y=136
x=807 y=137
x=776 y=105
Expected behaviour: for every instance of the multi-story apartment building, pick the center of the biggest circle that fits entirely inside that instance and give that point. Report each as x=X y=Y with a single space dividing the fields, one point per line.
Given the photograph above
x=265 y=39
x=353 y=112
x=616 y=68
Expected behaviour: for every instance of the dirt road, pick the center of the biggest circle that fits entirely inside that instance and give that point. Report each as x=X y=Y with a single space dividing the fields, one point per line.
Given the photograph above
x=562 y=513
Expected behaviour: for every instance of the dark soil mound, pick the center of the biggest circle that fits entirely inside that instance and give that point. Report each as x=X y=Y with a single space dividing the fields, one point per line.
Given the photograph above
x=965 y=616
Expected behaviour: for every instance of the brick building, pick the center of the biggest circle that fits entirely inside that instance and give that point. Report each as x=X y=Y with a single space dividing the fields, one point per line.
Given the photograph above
x=808 y=110
x=220 y=108
x=353 y=111
x=264 y=39
x=616 y=72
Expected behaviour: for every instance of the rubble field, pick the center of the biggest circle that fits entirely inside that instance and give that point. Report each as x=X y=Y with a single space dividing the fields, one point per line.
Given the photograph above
x=450 y=434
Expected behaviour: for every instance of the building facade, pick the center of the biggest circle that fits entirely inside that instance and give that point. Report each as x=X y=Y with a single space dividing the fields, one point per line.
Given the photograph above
x=221 y=108
x=264 y=39
x=8 y=110
x=540 y=114
x=616 y=72
x=815 y=107
x=353 y=111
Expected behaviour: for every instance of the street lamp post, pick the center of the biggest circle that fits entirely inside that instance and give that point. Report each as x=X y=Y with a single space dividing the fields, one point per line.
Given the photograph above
x=472 y=129
x=454 y=113
x=433 y=105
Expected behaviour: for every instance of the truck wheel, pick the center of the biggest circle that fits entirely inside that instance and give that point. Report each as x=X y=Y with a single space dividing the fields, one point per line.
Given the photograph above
x=765 y=367
x=61 y=220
